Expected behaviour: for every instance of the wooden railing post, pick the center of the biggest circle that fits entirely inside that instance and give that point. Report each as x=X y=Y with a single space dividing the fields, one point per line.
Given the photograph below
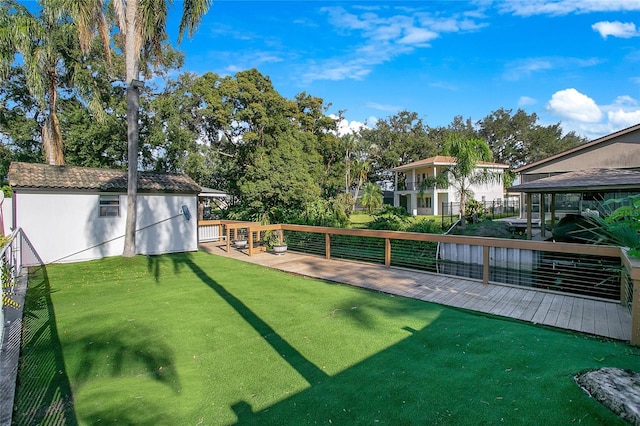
x=327 y=245
x=387 y=252
x=250 y=236
x=633 y=267
x=228 y=239
x=485 y=264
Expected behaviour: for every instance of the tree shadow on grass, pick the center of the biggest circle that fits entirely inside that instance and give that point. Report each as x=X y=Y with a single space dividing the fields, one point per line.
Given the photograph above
x=43 y=394
x=124 y=352
x=291 y=355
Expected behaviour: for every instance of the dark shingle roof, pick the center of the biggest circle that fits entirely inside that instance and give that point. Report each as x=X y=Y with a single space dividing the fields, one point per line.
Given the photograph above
x=44 y=176
x=590 y=180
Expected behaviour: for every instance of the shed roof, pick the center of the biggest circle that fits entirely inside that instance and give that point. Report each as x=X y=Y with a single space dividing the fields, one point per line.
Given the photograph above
x=590 y=180
x=443 y=160
x=45 y=176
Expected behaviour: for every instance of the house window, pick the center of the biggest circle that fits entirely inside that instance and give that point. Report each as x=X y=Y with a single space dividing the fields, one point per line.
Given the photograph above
x=109 y=206
x=424 y=202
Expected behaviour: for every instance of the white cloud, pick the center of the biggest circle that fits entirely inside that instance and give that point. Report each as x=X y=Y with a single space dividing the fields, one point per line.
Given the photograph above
x=564 y=7
x=383 y=107
x=524 y=68
x=383 y=38
x=625 y=100
x=346 y=127
x=417 y=36
x=571 y=104
x=526 y=100
x=581 y=114
x=622 y=119
x=616 y=29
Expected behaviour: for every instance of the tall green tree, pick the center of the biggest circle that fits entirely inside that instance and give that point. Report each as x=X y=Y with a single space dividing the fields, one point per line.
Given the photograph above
x=399 y=139
x=517 y=139
x=142 y=26
x=45 y=44
x=465 y=173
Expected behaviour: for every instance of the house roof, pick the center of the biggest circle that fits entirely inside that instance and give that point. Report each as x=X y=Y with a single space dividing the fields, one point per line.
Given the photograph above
x=210 y=192
x=45 y=176
x=578 y=148
x=443 y=160
x=590 y=180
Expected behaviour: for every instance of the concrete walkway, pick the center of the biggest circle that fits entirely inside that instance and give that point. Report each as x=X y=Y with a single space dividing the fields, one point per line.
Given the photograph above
x=586 y=315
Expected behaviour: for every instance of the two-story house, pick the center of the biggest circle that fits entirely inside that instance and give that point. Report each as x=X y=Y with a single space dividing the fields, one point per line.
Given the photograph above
x=418 y=190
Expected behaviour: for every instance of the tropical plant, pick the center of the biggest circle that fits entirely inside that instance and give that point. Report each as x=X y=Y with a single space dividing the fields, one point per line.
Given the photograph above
x=142 y=25
x=619 y=227
x=372 y=197
x=464 y=173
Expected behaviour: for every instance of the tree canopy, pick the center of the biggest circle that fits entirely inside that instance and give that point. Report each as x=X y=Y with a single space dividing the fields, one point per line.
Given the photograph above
x=280 y=158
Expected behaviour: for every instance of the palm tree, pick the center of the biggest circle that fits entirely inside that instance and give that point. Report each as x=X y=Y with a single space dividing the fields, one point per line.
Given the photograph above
x=143 y=26
x=44 y=43
x=464 y=173
x=371 y=197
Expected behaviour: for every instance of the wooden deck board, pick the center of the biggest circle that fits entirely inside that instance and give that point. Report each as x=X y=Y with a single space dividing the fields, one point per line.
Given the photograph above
x=543 y=309
x=575 y=322
x=564 y=316
x=588 y=317
x=601 y=318
x=533 y=307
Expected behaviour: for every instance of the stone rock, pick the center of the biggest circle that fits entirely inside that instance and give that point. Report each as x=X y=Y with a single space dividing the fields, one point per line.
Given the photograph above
x=617 y=389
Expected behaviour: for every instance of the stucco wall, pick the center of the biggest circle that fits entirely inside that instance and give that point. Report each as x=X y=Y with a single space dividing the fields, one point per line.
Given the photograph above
x=67 y=227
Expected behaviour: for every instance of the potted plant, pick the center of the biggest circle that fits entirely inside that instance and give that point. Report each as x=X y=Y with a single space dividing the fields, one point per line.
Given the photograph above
x=240 y=243
x=276 y=243
x=280 y=248
x=241 y=240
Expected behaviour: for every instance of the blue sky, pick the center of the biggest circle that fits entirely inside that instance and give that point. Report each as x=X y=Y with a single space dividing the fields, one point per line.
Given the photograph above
x=571 y=61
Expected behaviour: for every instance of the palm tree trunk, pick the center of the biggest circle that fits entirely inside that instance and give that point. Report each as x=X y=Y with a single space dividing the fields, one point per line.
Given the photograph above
x=132 y=64
x=51 y=134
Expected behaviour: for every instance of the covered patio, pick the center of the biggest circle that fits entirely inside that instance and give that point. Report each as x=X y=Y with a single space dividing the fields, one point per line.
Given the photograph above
x=597 y=184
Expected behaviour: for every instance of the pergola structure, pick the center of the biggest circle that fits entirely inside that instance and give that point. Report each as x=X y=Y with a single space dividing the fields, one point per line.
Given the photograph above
x=590 y=183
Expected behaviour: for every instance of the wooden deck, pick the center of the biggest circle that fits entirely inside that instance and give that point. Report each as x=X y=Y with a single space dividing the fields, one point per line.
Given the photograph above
x=596 y=317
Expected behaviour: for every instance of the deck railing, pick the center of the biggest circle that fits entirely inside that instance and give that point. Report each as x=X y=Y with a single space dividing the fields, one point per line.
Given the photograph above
x=602 y=272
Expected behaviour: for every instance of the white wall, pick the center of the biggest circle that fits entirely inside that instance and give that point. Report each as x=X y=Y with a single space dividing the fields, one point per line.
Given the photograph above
x=7 y=215
x=67 y=227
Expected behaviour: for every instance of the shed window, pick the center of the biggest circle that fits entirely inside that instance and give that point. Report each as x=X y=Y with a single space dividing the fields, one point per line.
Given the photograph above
x=109 y=206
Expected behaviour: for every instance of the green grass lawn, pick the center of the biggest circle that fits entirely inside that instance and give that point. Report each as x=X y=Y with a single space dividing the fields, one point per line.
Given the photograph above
x=196 y=339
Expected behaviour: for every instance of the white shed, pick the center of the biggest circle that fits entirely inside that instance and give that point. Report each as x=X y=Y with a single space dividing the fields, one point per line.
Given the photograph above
x=77 y=213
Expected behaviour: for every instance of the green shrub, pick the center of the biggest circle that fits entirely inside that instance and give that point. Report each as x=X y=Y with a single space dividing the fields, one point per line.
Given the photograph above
x=427 y=226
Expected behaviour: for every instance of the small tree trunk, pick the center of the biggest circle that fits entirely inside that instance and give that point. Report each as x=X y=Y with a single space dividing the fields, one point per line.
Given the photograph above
x=463 y=207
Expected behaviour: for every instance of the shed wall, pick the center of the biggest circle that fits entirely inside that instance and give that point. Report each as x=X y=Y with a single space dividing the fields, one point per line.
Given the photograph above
x=67 y=227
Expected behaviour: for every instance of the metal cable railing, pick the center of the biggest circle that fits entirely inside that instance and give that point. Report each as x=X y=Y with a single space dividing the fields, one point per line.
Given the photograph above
x=627 y=286
x=419 y=255
x=581 y=274
x=361 y=249
x=306 y=242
